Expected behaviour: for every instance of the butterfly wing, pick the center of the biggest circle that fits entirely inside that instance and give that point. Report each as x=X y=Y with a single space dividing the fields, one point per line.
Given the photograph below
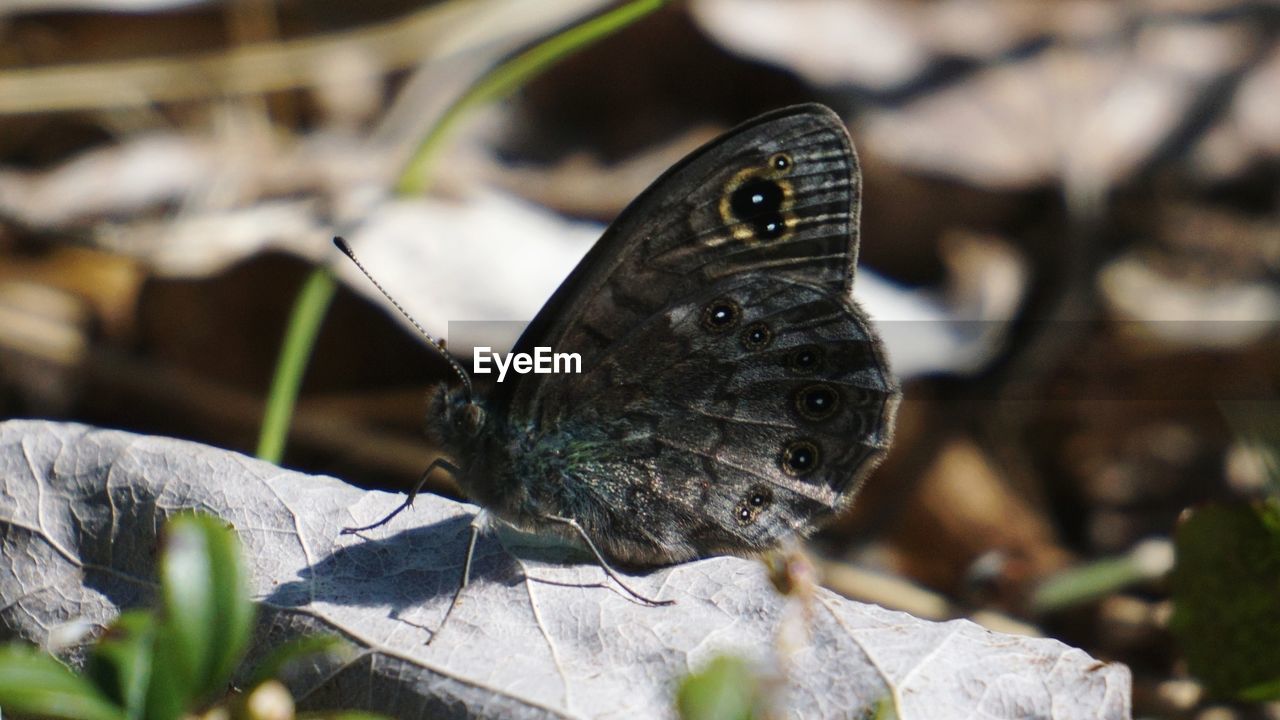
x=742 y=414
x=731 y=392
x=682 y=233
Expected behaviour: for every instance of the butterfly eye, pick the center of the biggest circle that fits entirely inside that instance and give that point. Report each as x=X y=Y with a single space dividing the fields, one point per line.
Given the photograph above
x=471 y=420
x=781 y=162
x=753 y=504
x=756 y=336
x=800 y=458
x=720 y=315
x=806 y=359
x=817 y=402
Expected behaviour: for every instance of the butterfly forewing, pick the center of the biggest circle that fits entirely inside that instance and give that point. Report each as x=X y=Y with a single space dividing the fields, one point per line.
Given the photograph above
x=776 y=195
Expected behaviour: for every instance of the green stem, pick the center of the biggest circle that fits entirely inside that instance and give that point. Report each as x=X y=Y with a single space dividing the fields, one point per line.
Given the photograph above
x=313 y=302
x=304 y=325
x=510 y=75
x=1147 y=561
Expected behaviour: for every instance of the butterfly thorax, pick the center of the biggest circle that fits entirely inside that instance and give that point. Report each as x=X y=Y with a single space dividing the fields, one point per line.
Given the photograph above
x=520 y=472
x=481 y=445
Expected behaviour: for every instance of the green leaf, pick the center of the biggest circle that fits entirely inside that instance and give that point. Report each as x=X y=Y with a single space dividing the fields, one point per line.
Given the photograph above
x=186 y=580
x=1226 y=592
x=172 y=690
x=1148 y=560
x=1263 y=692
x=207 y=616
x=294 y=650
x=34 y=683
x=120 y=662
x=234 y=613
x=726 y=689
x=885 y=709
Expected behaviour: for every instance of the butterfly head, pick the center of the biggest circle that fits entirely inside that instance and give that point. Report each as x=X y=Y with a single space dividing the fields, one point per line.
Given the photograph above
x=454 y=418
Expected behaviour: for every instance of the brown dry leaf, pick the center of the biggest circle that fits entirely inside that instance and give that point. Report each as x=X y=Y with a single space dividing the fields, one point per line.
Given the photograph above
x=581 y=185
x=963 y=509
x=830 y=42
x=236 y=182
x=1249 y=132
x=1183 y=314
x=1077 y=92
x=1088 y=112
x=15 y=7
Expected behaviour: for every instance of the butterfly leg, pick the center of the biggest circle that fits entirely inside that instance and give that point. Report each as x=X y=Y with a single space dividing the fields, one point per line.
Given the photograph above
x=422 y=481
x=478 y=523
x=604 y=565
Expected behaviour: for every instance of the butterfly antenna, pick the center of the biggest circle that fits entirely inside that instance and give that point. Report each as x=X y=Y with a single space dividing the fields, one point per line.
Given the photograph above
x=435 y=344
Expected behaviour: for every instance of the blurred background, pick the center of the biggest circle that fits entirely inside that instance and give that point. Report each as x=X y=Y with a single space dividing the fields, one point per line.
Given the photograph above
x=1070 y=241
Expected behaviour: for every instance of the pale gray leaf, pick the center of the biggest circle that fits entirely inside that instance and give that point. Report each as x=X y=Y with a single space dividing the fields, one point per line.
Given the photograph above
x=534 y=636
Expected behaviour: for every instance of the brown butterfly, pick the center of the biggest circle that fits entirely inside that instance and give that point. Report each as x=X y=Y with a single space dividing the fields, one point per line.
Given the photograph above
x=731 y=394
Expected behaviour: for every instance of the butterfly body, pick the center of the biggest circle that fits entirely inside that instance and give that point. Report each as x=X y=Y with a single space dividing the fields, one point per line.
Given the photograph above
x=731 y=393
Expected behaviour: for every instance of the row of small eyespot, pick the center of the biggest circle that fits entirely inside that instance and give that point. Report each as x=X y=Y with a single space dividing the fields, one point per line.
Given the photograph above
x=814 y=402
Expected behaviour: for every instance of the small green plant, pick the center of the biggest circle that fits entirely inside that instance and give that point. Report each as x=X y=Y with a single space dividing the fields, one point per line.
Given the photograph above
x=1226 y=592
x=1226 y=583
x=170 y=663
x=726 y=689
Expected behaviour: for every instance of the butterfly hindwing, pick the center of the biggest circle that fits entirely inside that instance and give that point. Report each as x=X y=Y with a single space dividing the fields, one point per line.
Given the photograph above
x=699 y=437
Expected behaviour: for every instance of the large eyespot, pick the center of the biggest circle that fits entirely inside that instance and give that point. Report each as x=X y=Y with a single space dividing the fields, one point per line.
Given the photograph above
x=805 y=360
x=756 y=501
x=817 y=402
x=781 y=163
x=721 y=315
x=757 y=202
x=757 y=336
x=799 y=458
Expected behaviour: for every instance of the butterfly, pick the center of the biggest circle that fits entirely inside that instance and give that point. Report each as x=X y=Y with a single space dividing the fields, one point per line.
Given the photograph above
x=731 y=393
